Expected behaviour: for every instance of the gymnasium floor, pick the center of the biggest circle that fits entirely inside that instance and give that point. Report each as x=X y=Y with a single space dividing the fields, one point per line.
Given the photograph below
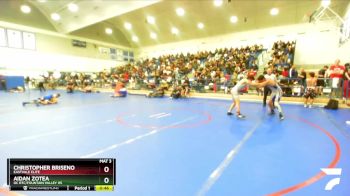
x=182 y=147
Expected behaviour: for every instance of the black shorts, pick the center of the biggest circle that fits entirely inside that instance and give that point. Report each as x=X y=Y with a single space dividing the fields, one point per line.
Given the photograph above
x=320 y=82
x=310 y=93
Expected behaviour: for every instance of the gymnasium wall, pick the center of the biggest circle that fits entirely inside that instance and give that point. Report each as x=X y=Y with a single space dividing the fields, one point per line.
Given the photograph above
x=316 y=44
x=26 y=62
x=321 y=48
x=54 y=51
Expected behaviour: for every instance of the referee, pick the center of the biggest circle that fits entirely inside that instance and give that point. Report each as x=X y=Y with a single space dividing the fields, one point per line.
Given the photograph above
x=267 y=91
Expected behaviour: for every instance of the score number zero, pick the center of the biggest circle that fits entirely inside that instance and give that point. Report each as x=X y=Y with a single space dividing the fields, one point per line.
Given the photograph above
x=106 y=169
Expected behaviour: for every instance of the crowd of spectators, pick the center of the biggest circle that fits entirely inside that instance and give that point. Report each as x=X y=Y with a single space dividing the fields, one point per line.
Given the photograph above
x=282 y=54
x=201 y=71
x=206 y=71
x=202 y=68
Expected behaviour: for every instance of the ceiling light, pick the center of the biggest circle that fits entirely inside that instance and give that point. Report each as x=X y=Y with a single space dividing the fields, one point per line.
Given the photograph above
x=274 y=11
x=55 y=16
x=218 y=3
x=174 y=31
x=200 y=25
x=233 y=19
x=25 y=9
x=135 y=38
x=109 y=31
x=180 y=11
x=73 y=7
x=325 y=3
x=127 y=25
x=151 y=19
x=153 y=35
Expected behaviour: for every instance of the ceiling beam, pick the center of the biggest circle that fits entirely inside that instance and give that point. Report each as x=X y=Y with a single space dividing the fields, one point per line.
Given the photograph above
x=103 y=11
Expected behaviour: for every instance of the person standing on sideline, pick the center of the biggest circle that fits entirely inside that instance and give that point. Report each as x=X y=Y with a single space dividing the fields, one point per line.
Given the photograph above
x=310 y=92
x=336 y=74
x=41 y=83
x=293 y=74
x=346 y=85
x=321 y=79
x=268 y=76
x=302 y=78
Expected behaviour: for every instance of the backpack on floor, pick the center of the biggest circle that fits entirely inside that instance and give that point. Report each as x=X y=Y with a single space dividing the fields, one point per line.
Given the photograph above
x=332 y=104
x=288 y=92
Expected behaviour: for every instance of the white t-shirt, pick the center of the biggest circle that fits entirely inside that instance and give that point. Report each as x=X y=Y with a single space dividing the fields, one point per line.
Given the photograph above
x=271 y=77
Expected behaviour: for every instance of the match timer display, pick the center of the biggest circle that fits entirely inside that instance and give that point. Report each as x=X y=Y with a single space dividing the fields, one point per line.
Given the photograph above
x=61 y=174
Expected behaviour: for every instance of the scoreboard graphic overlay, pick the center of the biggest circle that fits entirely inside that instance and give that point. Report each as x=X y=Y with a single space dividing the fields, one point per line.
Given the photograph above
x=61 y=174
